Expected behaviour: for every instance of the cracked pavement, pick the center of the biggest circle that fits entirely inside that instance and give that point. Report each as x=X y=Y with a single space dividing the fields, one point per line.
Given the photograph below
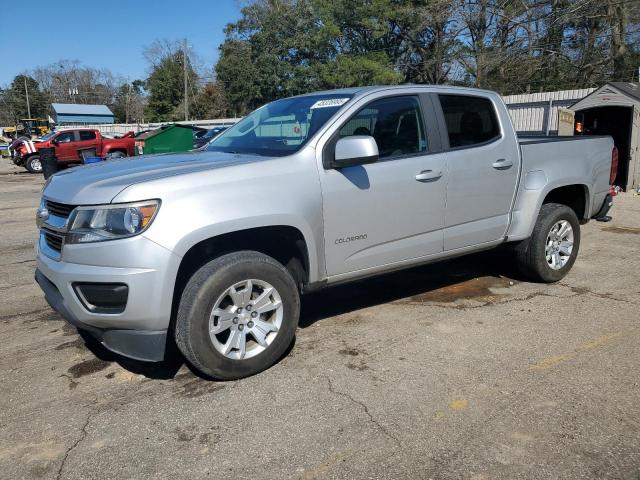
x=458 y=370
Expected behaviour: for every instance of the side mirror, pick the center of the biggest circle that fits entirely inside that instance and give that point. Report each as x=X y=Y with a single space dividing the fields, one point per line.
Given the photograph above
x=54 y=141
x=355 y=150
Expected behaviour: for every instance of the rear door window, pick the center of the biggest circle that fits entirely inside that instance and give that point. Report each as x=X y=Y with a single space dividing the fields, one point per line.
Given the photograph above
x=87 y=135
x=395 y=123
x=469 y=120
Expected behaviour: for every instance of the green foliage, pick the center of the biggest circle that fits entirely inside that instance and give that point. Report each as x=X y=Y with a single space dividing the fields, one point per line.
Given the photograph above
x=282 y=47
x=16 y=99
x=356 y=70
x=128 y=106
x=209 y=103
x=166 y=82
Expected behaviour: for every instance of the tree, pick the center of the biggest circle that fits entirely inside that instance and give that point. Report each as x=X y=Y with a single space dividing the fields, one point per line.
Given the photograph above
x=67 y=81
x=286 y=47
x=15 y=99
x=129 y=102
x=209 y=103
x=165 y=84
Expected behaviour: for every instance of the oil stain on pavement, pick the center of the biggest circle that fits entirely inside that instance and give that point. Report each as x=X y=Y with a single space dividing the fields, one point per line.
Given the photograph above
x=87 y=367
x=623 y=230
x=475 y=289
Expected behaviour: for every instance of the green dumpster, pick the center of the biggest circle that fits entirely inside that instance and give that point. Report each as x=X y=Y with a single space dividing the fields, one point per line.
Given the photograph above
x=170 y=138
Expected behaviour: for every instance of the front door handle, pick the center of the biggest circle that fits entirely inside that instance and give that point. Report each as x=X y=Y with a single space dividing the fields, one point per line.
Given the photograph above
x=428 y=175
x=502 y=164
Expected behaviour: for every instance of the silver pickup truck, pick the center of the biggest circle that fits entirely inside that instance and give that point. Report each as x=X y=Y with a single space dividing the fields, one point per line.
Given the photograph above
x=212 y=249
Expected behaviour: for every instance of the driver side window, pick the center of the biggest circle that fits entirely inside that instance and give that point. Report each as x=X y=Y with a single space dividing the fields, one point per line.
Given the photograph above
x=65 y=137
x=395 y=123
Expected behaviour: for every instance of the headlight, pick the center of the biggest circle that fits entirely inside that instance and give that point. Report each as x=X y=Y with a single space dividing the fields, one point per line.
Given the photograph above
x=111 y=222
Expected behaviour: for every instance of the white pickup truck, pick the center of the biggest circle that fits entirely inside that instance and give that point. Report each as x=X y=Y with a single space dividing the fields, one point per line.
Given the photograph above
x=212 y=249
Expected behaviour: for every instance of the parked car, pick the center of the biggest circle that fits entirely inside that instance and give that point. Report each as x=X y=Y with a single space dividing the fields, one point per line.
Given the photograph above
x=214 y=248
x=201 y=138
x=69 y=146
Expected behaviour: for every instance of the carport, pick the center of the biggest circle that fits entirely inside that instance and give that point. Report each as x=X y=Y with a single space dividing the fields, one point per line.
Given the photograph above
x=614 y=109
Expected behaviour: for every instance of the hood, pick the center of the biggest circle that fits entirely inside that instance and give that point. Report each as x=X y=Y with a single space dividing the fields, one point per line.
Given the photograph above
x=101 y=182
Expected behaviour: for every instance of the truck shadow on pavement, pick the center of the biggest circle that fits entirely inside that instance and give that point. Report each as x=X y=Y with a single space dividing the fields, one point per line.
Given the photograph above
x=164 y=370
x=469 y=277
x=466 y=277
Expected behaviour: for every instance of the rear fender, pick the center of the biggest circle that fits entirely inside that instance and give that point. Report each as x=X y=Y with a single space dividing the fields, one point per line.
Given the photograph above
x=533 y=190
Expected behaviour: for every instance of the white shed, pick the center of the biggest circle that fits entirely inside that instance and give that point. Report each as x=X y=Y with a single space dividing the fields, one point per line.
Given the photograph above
x=614 y=109
x=537 y=113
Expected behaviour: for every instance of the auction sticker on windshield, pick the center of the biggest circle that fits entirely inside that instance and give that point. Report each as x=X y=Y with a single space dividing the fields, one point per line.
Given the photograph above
x=330 y=102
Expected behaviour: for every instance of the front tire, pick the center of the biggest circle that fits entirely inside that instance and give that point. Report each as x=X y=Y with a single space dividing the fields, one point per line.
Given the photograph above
x=237 y=316
x=33 y=164
x=550 y=252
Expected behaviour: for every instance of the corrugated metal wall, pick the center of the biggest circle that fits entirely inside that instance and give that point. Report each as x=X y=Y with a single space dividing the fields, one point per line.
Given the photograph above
x=537 y=113
x=70 y=119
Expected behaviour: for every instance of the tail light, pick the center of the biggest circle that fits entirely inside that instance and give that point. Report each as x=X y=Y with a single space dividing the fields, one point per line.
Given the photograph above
x=614 y=169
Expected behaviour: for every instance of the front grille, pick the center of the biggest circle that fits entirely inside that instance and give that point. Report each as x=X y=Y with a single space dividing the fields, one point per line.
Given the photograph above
x=53 y=241
x=59 y=209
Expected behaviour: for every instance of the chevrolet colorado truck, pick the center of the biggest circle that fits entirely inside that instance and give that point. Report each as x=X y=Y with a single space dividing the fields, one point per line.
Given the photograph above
x=68 y=146
x=212 y=249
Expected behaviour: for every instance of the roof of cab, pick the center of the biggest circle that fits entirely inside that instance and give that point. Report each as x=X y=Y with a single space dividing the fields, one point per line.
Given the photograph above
x=358 y=91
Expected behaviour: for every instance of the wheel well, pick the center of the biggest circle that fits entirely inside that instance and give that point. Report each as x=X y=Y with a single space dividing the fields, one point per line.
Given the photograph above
x=112 y=150
x=573 y=196
x=283 y=243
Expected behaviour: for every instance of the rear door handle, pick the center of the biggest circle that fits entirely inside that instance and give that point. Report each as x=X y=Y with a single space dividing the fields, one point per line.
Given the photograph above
x=428 y=175
x=502 y=164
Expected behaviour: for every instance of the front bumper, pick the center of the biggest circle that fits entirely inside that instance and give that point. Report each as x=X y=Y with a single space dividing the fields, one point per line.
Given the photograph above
x=139 y=330
x=143 y=345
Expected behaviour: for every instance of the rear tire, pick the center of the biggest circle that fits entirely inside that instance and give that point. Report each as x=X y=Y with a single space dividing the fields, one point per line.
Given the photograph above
x=548 y=255
x=114 y=155
x=207 y=307
x=33 y=164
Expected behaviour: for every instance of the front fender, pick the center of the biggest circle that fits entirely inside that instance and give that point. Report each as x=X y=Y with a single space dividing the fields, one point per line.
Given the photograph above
x=205 y=204
x=194 y=237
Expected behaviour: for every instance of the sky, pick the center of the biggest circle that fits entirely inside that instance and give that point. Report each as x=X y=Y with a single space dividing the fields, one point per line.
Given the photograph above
x=110 y=33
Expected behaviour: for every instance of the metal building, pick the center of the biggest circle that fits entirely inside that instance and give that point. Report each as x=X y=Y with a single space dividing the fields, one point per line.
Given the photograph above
x=80 y=114
x=537 y=113
x=614 y=109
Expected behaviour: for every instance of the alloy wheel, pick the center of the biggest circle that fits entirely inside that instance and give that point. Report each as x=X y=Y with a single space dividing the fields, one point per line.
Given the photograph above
x=245 y=319
x=559 y=244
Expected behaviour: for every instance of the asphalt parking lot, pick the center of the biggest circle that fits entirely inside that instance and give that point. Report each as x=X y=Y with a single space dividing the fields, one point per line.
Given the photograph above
x=454 y=370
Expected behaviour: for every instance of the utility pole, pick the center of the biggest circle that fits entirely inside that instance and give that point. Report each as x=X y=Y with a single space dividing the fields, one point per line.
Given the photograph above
x=184 y=64
x=127 y=102
x=26 y=92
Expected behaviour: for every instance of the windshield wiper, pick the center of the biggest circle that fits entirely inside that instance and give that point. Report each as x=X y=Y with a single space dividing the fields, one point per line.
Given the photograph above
x=235 y=152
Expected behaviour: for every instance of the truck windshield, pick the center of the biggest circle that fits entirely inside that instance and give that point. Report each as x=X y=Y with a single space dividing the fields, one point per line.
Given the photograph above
x=279 y=128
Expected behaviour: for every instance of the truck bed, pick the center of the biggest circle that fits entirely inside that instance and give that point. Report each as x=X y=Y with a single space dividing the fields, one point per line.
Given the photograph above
x=550 y=162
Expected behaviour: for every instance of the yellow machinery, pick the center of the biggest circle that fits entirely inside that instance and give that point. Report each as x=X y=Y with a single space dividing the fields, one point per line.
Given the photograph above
x=29 y=127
